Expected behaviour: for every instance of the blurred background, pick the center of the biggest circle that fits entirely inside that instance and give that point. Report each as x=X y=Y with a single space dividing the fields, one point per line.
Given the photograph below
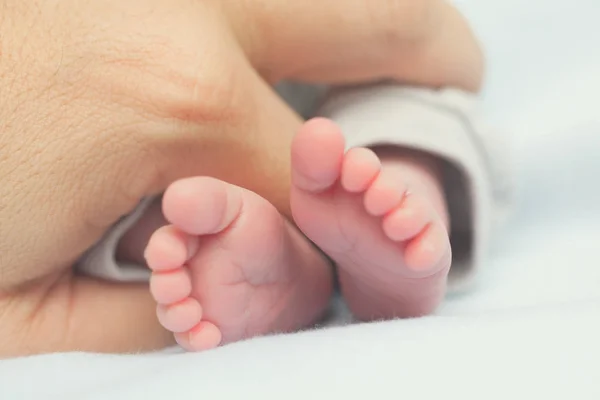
x=543 y=88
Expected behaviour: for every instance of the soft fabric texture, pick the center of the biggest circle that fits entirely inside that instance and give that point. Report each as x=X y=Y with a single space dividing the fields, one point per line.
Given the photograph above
x=530 y=328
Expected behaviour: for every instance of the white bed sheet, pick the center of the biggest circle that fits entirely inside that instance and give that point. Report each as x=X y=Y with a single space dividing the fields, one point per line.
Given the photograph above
x=532 y=328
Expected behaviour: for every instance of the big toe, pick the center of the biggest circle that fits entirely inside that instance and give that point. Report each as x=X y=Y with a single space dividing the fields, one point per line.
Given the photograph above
x=201 y=205
x=317 y=155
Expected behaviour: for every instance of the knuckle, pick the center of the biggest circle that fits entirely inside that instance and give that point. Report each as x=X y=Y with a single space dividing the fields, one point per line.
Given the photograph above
x=162 y=80
x=206 y=93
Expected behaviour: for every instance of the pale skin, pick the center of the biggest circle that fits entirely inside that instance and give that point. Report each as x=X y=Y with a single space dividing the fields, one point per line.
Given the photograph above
x=107 y=102
x=227 y=266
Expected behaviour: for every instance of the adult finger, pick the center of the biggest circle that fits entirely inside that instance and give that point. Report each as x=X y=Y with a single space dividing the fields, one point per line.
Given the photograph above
x=419 y=41
x=63 y=314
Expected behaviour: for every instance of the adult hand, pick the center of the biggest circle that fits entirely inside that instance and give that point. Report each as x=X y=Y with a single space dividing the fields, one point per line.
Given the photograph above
x=103 y=102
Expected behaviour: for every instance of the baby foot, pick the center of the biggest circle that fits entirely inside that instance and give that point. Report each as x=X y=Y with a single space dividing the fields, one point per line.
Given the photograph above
x=229 y=267
x=383 y=223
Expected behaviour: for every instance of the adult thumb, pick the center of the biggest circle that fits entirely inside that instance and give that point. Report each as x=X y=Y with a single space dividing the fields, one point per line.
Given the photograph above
x=423 y=42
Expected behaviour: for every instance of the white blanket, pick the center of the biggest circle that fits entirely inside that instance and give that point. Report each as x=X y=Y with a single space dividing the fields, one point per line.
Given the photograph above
x=532 y=328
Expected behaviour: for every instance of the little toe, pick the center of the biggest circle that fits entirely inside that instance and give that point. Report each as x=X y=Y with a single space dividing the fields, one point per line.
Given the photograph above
x=317 y=155
x=408 y=220
x=430 y=250
x=203 y=336
x=385 y=193
x=171 y=286
x=169 y=248
x=180 y=317
x=359 y=168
